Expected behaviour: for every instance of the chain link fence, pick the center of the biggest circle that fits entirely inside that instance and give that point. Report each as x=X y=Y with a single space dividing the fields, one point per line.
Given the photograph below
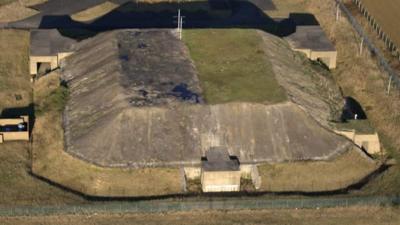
x=158 y=206
x=393 y=77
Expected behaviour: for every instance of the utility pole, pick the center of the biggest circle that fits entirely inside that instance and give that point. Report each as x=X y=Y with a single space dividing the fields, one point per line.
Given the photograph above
x=180 y=23
x=180 y=33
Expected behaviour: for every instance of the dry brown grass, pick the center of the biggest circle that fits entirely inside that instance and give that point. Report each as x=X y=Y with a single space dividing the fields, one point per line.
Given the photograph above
x=51 y=162
x=347 y=169
x=385 y=13
x=94 y=12
x=17 y=186
x=332 y=216
x=14 y=74
x=285 y=7
x=17 y=10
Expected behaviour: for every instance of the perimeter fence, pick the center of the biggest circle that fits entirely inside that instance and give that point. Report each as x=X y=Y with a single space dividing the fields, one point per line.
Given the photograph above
x=393 y=76
x=159 y=206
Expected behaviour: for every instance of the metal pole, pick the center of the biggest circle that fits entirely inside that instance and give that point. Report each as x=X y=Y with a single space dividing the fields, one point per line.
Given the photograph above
x=361 y=45
x=179 y=19
x=337 y=11
x=180 y=33
x=389 y=85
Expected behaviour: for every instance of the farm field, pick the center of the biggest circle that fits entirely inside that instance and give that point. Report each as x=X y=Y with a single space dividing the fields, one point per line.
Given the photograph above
x=386 y=13
x=330 y=216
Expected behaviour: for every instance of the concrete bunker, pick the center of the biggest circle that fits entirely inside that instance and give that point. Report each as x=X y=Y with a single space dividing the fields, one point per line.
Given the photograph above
x=220 y=172
x=313 y=42
x=14 y=129
x=47 y=49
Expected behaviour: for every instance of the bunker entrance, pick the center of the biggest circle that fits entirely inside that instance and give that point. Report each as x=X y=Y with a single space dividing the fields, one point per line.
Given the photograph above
x=43 y=68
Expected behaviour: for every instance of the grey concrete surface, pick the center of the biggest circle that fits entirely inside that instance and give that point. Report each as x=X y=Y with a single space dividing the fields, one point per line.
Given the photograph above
x=49 y=43
x=121 y=113
x=310 y=37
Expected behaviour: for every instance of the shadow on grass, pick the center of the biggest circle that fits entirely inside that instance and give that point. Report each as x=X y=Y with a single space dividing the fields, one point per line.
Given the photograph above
x=197 y=14
x=21 y=111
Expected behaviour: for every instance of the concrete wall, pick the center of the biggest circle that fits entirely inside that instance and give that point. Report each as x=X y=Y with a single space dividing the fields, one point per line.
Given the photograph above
x=220 y=181
x=53 y=60
x=370 y=142
x=14 y=136
x=249 y=171
x=329 y=58
x=63 y=55
x=34 y=60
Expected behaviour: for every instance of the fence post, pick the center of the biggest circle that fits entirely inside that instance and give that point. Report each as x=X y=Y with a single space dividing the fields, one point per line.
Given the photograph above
x=361 y=45
x=389 y=85
x=337 y=11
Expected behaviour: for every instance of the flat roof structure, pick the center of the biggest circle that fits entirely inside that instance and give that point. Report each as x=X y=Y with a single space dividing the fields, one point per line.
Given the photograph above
x=49 y=43
x=313 y=41
x=310 y=37
x=218 y=159
x=48 y=46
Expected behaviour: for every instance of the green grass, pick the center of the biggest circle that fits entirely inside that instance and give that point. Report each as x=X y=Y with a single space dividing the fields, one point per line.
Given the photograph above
x=232 y=66
x=360 y=126
x=56 y=100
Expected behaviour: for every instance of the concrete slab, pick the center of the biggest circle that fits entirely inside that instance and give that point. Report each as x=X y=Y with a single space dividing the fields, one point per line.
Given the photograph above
x=49 y=43
x=312 y=41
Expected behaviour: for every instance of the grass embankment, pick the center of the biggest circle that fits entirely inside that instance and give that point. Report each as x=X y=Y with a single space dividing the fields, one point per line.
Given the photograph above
x=360 y=77
x=94 y=12
x=17 y=186
x=51 y=162
x=331 y=216
x=232 y=66
x=12 y=10
x=317 y=176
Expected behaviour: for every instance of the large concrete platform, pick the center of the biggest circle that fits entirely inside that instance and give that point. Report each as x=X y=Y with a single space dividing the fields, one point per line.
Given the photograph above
x=129 y=106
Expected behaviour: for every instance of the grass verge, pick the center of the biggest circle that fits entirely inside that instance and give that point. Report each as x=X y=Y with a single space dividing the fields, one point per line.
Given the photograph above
x=94 y=12
x=232 y=66
x=317 y=176
x=331 y=216
x=17 y=186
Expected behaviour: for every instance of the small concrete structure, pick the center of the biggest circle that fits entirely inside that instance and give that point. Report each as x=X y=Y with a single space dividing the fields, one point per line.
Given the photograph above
x=369 y=142
x=16 y=129
x=220 y=172
x=48 y=46
x=312 y=41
